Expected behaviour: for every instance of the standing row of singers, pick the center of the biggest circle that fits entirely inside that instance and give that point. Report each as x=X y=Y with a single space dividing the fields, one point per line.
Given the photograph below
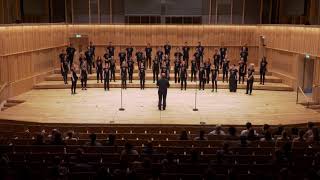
x=161 y=64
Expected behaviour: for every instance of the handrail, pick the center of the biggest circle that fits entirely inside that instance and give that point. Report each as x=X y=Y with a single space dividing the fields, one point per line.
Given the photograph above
x=305 y=96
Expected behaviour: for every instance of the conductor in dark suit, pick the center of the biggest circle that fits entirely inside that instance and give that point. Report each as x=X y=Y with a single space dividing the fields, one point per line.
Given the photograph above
x=163 y=85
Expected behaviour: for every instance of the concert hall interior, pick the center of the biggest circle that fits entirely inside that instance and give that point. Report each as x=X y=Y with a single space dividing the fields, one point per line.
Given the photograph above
x=160 y=89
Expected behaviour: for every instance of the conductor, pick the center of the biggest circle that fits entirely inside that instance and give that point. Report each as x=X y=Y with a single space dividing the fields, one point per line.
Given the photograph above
x=163 y=85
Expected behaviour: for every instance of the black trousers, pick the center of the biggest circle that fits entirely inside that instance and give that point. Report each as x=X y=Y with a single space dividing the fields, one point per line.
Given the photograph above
x=193 y=75
x=224 y=75
x=241 y=77
x=124 y=83
x=215 y=85
x=99 y=75
x=73 y=86
x=89 y=67
x=70 y=62
x=202 y=82
x=106 y=83
x=65 y=77
x=176 y=76
x=142 y=82
x=113 y=74
x=262 y=77
x=84 y=83
x=148 y=60
x=183 y=83
x=249 y=86
x=130 y=77
x=162 y=99
x=208 y=76
x=155 y=75
x=186 y=60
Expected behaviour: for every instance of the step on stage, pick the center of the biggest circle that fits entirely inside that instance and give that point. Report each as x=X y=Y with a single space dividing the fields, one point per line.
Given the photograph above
x=97 y=106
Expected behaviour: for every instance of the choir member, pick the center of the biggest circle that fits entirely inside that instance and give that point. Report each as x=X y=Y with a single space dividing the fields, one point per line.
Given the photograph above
x=160 y=55
x=233 y=79
x=242 y=70
x=81 y=59
x=207 y=67
x=129 y=51
x=214 y=77
x=250 y=79
x=92 y=49
x=225 y=68
x=110 y=49
x=216 y=58
x=65 y=70
x=164 y=70
x=223 y=53
x=244 y=53
x=122 y=56
x=123 y=76
x=112 y=69
x=130 y=63
x=148 y=51
x=176 y=70
x=62 y=56
x=142 y=76
x=202 y=77
x=167 y=49
x=263 y=69
x=197 y=57
x=84 y=75
x=155 y=69
x=74 y=79
x=167 y=64
x=185 y=50
x=178 y=55
x=107 y=57
x=201 y=50
x=194 y=69
x=106 y=74
x=70 y=54
x=99 y=69
x=89 y=60
x=139 y=56
x=183 y=75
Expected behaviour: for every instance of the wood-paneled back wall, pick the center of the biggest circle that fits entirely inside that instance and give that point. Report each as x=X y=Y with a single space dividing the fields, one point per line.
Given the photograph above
x=27 y=52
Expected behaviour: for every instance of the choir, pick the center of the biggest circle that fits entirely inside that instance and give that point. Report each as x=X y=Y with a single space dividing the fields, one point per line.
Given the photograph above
x=161 y=64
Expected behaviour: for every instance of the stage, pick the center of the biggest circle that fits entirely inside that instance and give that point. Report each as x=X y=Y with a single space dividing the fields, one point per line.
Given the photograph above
x=98 y=106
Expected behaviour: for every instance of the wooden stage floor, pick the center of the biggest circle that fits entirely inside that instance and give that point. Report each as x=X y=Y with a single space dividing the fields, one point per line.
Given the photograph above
x=97 y=106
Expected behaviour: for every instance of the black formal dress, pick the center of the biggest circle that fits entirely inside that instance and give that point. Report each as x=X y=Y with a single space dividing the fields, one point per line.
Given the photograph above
x=70 y=54
x=99 y=70
x=225 y=70
x=233 y=80
x=185 y=51
x=250 y=80
x=106 y=75
x=194 y=69
x=111 y=51
x=242 y=72
x=202 y=78
x=148 y=51
x=142 y=76
x=123 y=77
x=122 y=57
x=155 y=69
x=167 y=49
x=223 y=52
x=263 y=70
x=130 y=69
x=214 y=77
x=74 y=79
x=183 y=76
x=129 y=51
x=176 y=71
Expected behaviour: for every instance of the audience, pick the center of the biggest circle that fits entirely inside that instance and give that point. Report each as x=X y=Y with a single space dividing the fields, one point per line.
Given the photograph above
x=111 y=140
x=184 y=135
x=93 y=140
x=267 y=137
x=246 y=131
x=232 y=134
x=148 y=149
x=218 y=131
x=70 y=136
x=39 y=140
x=57 y=139
x=201 y=136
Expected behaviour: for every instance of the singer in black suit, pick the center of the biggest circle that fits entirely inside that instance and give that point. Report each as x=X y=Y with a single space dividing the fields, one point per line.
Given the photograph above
x=163 y=85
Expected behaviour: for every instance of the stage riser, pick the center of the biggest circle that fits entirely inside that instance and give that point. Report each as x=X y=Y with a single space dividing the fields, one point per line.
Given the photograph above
x=172 y=85
x=150 y=77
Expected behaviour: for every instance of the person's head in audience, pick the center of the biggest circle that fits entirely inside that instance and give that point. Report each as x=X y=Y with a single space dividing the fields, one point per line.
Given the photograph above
x=294 y=131
x=268 y=136
x=310 y=125
x=300 y=134
x=148 y=149
x=128 y=147
x=201 y=135
x=248 y=125
x=232 y=131
x=266 y=127
x=111 y=140
x=93 y=138
x=218 y=129
x=284 y=136
x=279 y=130
x=39 y=139
x=70 y=135
x=57 y=140
x=184 y=135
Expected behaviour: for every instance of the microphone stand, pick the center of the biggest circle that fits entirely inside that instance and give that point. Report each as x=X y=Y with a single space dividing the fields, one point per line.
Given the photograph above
x=195 y=97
